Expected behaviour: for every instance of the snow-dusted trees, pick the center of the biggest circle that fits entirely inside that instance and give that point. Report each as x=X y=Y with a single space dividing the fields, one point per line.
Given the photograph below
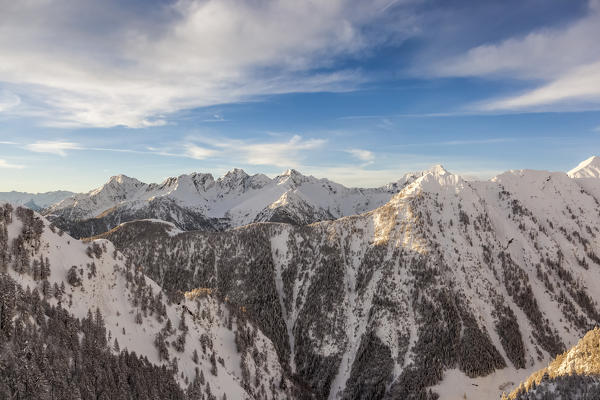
x=46 y=360
x=73 y=277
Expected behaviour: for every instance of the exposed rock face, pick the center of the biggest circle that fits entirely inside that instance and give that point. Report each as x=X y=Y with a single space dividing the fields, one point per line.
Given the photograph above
x=448 y=275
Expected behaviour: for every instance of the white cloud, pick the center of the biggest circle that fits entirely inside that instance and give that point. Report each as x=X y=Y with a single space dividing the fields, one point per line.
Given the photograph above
x=282 y=153
x=6 y=164
x=134 y=67
x=363 y=155
x=577 y=89
x=199 y=153
x=542 y=54
x=563 y=62
x=53 y=147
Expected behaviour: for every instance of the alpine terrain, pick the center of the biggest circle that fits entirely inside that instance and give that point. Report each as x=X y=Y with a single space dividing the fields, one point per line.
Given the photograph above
x=452 y=288
x=433 y=287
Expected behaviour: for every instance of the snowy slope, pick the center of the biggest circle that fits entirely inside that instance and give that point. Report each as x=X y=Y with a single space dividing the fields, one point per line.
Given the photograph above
x=457 y=286
x=136 y=311
x=589 y=168
x=197 y=201
x=35 y=201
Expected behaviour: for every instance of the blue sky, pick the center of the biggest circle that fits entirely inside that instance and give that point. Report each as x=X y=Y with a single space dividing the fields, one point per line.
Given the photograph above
x=356 y=91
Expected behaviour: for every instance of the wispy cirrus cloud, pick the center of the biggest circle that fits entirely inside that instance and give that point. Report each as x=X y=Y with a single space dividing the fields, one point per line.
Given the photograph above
x=158 y=59
x=283 y=152
x=576 y=90
x=280 y=153
x=363 y=155
x=199 y=153
x=53 y=147
x=563 y=63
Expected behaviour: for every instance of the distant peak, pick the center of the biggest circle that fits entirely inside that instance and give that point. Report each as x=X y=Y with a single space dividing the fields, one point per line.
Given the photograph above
x=235 y=173
x=236 y=178
x=589 y=168
x=122 y=179
x=291 y=172
x=593 y=160
x=437 y=169
x=291 y=176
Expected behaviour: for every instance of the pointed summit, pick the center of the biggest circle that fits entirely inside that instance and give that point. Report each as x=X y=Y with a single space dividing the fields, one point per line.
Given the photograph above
x=292 y=176
x=123 y=180
x=234 y=180
x=290 y=172
x=235 y=174
x=589 y=168
x=437 y=169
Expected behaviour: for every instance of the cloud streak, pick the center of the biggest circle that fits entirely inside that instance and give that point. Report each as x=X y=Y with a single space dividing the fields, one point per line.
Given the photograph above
x=363 y=155
x=53 y=147
x=283 y=153
x=565 y=60
x=280 y=153
x=180 y=55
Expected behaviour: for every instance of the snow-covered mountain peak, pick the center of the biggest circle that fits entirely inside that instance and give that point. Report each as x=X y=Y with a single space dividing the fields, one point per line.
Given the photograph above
x=434 y=179
x=234 y=174
x=589 y=168
x=196 y=180
x=437 y=169
x=292 y=177
x=118 y=184
x=237 y=180
x=291 y=172
x=233 y=179
x=123 y=180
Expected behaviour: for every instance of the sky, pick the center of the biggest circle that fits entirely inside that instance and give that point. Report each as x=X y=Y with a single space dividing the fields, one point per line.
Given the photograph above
x=360 y=92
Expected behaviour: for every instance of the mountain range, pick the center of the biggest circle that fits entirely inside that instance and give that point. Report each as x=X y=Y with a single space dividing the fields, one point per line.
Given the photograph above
x=432 y=287
x=34 y=201
x=199 y=202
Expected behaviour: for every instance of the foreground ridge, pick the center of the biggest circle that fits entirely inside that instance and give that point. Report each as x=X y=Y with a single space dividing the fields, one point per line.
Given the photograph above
x=574 y=374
